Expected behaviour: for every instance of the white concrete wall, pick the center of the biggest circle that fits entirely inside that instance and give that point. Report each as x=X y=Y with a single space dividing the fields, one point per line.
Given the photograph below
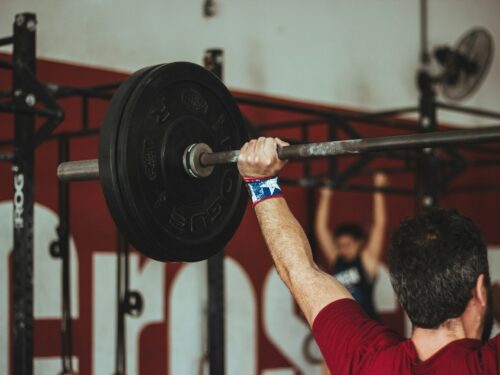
x=356 y=53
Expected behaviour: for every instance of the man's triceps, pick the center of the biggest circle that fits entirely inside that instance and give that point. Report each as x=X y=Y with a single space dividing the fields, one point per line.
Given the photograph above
x=314 y=289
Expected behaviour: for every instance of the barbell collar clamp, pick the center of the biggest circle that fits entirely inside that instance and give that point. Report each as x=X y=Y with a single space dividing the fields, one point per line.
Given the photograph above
x=191 y=160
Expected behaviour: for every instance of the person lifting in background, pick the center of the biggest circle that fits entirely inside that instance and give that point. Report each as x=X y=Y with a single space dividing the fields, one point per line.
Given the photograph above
x=438 y=263
x=349 y=258
x=352 y=260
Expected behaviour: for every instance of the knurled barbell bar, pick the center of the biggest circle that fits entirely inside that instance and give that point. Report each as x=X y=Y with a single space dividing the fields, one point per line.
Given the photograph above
x=169 y=138
x=199 y=160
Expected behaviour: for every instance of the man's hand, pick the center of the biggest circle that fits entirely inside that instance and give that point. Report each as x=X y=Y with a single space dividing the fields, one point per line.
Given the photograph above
x=380 y=180
x=326 y=192
x=259 y=158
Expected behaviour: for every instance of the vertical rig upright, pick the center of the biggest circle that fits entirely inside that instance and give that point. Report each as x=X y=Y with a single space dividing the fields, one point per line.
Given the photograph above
x=24 y=129
x=60 y=249
x=427 y=183
x=213 y=61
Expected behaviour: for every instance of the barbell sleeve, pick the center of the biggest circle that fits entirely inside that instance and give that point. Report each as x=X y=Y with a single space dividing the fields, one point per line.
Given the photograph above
x=82 y=170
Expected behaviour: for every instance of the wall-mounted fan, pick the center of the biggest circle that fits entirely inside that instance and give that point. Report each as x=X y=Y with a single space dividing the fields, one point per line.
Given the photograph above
x=465 y=65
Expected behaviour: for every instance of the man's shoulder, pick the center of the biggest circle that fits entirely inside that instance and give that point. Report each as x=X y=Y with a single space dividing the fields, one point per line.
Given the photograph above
x=482 y=358
x=459 y=357
x=345 y=321
x=492 y=344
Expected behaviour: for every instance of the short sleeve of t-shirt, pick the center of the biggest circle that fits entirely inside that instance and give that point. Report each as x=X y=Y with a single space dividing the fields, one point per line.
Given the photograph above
x=490 y=355
x=345 y=334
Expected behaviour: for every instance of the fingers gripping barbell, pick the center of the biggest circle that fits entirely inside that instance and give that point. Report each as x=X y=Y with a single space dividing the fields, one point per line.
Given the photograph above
x=168 y=140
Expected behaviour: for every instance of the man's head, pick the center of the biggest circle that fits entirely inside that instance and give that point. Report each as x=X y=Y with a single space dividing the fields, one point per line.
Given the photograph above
x=436 y=260
x=349 y=239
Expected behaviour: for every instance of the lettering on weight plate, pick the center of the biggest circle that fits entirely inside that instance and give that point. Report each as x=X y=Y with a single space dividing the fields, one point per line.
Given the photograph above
x=226 y=143
x=18 y=201
x=194 y=101
x=160 y=200
x=201 y=221
x=150 y=159
x=214 y=211
x=198 y=222
x=219 y=123
x=227 y=184
x=161 y=113
x=177 y=219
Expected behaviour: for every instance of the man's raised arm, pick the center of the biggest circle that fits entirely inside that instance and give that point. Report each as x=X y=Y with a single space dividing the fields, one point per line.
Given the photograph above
x=322 y=229
x=313 y=289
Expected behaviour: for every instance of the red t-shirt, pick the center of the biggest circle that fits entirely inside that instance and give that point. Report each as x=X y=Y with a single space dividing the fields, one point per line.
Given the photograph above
x=352 y=343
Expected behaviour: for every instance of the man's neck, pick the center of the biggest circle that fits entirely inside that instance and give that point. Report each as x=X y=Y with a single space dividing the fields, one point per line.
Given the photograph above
x=429 y=341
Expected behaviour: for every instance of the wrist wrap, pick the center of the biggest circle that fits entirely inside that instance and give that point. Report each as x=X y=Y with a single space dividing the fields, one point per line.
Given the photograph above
x=261 y=189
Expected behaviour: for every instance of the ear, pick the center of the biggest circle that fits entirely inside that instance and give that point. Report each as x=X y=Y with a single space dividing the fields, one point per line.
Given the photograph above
x=480 y=292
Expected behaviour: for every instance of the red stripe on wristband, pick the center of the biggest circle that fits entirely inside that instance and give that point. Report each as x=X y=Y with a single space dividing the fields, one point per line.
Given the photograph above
x=255 y=179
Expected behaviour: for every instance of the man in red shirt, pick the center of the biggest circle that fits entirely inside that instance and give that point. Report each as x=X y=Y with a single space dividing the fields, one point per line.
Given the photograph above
x=439 y=270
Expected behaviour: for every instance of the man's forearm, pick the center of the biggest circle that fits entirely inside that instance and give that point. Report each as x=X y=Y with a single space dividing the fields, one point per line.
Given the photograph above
x=284 y=237
x=322 y=230
x=376 y=240
x=379 y=209
x=291 y=253
x=323 y=211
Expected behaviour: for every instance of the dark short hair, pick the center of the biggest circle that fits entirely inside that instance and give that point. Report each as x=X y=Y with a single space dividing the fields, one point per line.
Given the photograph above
x=350 y=229
x=435 y=259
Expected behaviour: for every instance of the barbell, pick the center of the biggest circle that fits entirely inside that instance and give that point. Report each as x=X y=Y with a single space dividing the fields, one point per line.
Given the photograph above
x=166 y=147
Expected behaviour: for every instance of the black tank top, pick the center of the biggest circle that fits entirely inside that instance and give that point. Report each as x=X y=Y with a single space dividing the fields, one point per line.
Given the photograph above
x=354 y=277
